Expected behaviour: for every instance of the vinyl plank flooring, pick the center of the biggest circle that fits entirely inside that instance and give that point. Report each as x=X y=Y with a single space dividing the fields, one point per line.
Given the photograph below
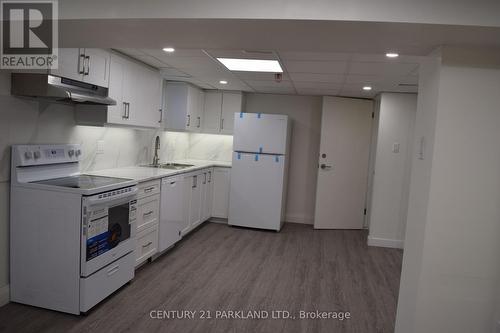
x=223 y=268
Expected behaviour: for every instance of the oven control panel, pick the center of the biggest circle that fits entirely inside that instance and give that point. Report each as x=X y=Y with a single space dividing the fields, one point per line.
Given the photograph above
x=27 y=155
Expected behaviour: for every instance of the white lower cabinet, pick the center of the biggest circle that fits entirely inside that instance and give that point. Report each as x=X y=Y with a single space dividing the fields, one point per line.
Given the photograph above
x=220 y=200
x=148 y=215
x=207 y=194
x=193 y=188
x=146 y=244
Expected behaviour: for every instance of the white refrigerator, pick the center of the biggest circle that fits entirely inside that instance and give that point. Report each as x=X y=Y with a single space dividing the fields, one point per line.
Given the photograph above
x=259 y=173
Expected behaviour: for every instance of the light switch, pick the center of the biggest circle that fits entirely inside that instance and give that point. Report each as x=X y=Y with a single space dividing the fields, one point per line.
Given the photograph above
x=395 y=147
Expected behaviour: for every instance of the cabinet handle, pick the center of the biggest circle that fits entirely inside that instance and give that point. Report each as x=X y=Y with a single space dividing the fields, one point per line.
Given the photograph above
x=124 y=116
x=189 y=120
x=146 y=245
x=204 y=178
x=87 y=70
x=149 y=189
x=161 y=115
x=172 y=183
x=148 y=213
x=128 y=110
x=222 y=123
x=113 y=270
x=195 y=181
x=210 y=176
x=81 y=64
x=199 y=122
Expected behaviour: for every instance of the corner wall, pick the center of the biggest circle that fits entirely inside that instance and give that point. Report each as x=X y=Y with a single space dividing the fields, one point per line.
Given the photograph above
x=391 y=181
x=450 y=265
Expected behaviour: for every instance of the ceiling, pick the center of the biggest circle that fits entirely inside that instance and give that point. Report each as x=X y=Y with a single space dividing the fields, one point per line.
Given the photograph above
x=305 y=73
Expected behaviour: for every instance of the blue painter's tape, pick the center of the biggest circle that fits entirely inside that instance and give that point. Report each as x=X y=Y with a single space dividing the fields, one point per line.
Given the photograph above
x=239 y=156
x=256 y=157
x=241 y=114
x=259 y=115
x=260 y=150
x=277 y=158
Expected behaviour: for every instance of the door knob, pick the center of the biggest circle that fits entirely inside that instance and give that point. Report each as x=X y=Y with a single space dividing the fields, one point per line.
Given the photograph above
x=325 y=167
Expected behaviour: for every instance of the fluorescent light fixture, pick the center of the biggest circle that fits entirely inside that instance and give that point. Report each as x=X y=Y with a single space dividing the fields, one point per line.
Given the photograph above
x=223 y=82
x=392 y=55
x=251 y=65
x=367 y=88
x=168 y=49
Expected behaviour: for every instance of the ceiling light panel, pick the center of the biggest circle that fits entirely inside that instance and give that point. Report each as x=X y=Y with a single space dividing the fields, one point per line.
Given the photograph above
x=251 y=65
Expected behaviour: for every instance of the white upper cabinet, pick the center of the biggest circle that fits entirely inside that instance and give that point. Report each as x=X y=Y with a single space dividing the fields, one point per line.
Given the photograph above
x=136 y=88
x=212 y=112
x=231 y=102
x=87 y=65
x=183 y=105
x=219 y=111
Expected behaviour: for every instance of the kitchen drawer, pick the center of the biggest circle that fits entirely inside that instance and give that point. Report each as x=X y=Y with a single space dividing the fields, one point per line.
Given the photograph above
x=146 y=245
x=104 y=282
x=148 y=212
x=148 y=188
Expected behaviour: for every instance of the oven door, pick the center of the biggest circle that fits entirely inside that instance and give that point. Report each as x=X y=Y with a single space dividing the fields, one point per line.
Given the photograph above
x=108 y=228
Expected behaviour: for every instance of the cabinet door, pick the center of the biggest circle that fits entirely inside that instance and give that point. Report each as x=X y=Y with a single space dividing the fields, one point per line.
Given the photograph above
x=221 y=181
x=172 y=217
x=97 y=67
x=70 y=64
x=231 y=103
x=212 y=112
x=195 y=201
x=176 y=106
x=149 y=114
x=208 y=200
x=200 y=101
x=117 y=114
x=131 y=92
x=148 y=212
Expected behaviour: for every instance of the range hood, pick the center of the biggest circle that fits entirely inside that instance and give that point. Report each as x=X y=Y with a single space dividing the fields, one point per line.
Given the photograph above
x=59 y=89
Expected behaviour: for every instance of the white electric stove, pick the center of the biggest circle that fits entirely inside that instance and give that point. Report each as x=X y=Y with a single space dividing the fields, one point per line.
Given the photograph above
x=72 y=235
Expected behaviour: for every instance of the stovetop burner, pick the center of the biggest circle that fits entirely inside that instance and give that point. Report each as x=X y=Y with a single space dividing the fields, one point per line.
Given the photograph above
x=85 y=182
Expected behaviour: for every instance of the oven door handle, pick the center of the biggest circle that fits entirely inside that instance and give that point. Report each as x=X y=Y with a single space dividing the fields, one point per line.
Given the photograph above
x=97 y=201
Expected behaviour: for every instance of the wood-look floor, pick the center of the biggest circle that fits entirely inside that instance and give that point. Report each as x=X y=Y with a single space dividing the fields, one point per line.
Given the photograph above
x=223 y=268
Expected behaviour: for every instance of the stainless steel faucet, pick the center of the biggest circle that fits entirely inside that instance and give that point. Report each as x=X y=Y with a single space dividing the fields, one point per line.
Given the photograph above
x=156 y=159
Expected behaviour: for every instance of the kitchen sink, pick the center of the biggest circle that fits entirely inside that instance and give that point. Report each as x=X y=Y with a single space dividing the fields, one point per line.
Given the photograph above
x=169 y=166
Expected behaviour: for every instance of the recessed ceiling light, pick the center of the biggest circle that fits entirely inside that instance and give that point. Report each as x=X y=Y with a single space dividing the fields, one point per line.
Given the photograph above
x=251 y=65
x=168 y=49
x=223 y=82
x=367 y=88
x=392 y=55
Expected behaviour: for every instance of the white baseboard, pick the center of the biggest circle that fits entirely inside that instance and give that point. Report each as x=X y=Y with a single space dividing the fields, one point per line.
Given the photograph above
x=217 y=220
x=299 y=219
x=384 y=242
x=4 y=295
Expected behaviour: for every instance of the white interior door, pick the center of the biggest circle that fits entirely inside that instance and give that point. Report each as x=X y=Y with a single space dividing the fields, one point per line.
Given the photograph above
x=344 y=153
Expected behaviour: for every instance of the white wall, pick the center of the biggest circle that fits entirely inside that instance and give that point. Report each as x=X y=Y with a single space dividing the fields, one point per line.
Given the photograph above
x=450 y=267
x=305 y=112
x=391 y=182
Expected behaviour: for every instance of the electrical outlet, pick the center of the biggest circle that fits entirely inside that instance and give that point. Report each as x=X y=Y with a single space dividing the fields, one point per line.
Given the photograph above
x=395 y=147
x=100 y=147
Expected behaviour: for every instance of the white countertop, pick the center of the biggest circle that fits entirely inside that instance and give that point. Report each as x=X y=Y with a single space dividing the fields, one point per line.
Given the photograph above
x=142 y=174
